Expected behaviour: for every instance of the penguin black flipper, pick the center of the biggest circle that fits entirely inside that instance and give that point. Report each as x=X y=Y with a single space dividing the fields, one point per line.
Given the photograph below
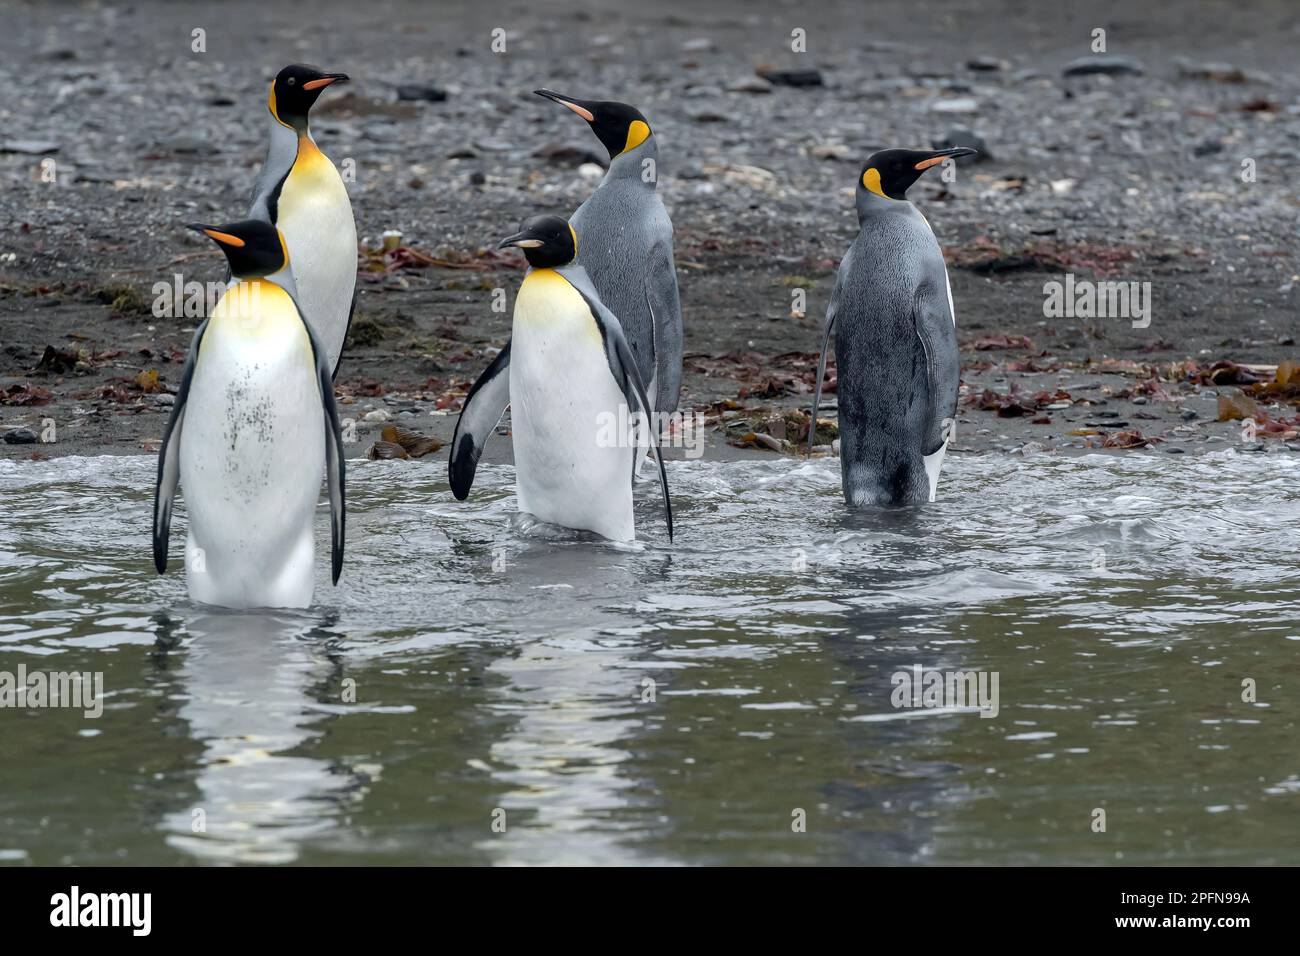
x=483 y=408
x=347 y=329
x=826 y=344
x=334 y=457
x=169 y=457
x=622 y=365
x=666 y=315
x=334 y=468
x=937 y=330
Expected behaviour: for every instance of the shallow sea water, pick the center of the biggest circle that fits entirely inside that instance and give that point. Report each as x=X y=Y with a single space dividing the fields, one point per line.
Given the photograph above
x=480 y=689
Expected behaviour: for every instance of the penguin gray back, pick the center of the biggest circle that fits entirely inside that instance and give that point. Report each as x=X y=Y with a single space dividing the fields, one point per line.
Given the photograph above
x=895 y=341
x=625 y=241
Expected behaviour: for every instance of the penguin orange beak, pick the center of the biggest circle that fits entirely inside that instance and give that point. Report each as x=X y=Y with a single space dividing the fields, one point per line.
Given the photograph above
x=568 y=101
x=940 y=155
x=225 y=238
x=326 y=80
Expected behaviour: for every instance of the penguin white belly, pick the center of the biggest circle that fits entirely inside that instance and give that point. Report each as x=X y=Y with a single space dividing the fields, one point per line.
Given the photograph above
x=252 y=455
x=564 y=407
x=315 y=215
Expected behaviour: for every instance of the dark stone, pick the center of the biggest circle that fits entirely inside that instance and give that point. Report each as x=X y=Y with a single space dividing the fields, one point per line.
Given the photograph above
x=421 y=91
x=1101 y=64
x=570 y=154
x=961 y=136
x=20 y=436
x=798 y=78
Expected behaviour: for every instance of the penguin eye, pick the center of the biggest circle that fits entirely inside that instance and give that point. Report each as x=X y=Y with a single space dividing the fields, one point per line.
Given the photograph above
x=291 y=80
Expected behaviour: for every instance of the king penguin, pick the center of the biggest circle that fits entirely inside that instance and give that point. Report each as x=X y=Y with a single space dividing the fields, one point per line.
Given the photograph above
x=895 y=340
x=300 y=192
x=626 y=242
x=568 y=374
x=252 y=429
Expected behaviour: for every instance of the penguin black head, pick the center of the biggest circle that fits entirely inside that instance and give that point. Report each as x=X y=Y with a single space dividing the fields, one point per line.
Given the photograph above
x=889 y=172
x=547 y=241
x=618 y=126
x=294 y=91
x=253 y=247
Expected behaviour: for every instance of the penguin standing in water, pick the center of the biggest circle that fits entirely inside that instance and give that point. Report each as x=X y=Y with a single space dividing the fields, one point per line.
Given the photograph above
x=565 y=373
x=301 y=193
x=895 y=340
x=626 y=242
x=253 y=427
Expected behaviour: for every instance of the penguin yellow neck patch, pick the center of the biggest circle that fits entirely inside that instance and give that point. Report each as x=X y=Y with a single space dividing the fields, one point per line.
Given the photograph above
x=270 y=104
x=309 y=153
x=637 y=133
x=573 y=233
x=871 y=182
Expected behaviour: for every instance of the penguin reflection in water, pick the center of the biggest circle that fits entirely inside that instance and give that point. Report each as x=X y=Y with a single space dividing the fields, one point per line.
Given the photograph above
x=895 y=340
x=253 y=427
x=565 y=373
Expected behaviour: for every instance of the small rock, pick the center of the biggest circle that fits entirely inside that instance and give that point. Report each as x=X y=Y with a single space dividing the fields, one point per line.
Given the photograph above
x=1208 y=147
x=20 y=436
x=185 y=144
x=425 y=92
x=1216 y=72
x=568 y=154
x=836 y=151
x=955 y=104
x=1174 y=450
x=961 y=136
x=699 y=45
x=987 y=64
x=378 y=415
x=750 y=84
x=797 y=78
x=1140 y=400
x=706 y=114
x=1101 y=64
x=30 y=147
